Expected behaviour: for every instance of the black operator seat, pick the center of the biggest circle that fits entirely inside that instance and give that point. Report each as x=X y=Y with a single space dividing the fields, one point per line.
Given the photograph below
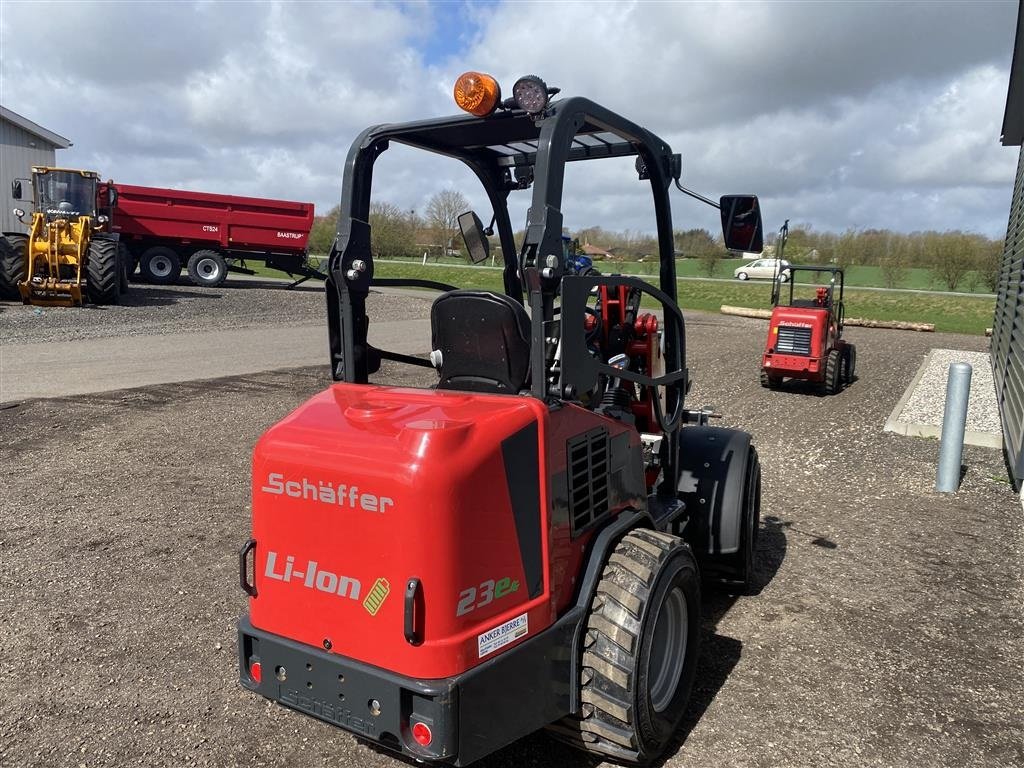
x=484 y=341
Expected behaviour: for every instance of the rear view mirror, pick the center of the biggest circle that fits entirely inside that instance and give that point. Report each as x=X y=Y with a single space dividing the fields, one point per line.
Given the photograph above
x=16 y=189
x=111 y=195
x=741 y=223
x=473 y=236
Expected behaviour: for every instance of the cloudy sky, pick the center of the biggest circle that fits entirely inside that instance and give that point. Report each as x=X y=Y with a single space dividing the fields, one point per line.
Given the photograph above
x=838 y=114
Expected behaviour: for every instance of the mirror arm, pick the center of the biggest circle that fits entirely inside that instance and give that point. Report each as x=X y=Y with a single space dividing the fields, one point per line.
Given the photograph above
x=696 y=195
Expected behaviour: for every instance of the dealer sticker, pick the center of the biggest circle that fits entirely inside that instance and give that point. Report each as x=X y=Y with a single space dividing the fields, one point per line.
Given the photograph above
x=499 y=637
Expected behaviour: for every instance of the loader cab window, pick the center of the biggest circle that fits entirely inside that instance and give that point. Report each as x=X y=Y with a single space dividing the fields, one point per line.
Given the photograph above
x=64 y=194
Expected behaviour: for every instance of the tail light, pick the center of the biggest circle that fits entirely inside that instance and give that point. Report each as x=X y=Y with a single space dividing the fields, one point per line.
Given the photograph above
x=421 y=732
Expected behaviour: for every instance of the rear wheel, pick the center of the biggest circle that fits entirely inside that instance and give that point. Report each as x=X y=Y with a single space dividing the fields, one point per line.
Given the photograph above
x=640 y=650
x=13 y=264
x=160 y=265
x=741 y=276
x=207 y=268
x=849 y=364
x=770 y=382
x=833 y=373
x=103 y=272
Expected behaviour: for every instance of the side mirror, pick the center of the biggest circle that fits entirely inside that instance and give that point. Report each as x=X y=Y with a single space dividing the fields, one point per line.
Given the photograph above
x=741 y=223
x=473 y=236
x=111 y=195
x=16 y=189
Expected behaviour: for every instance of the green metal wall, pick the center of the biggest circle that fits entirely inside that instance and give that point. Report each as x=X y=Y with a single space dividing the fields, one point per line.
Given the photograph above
x=1008 y=333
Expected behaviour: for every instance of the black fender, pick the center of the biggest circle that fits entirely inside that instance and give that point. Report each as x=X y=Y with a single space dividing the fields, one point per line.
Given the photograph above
x=712 y=483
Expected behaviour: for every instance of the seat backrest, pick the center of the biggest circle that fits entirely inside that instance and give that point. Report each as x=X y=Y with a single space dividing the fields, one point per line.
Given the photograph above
x=484 y=341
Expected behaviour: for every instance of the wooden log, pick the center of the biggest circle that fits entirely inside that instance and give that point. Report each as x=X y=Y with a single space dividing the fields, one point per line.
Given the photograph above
x=899 y=325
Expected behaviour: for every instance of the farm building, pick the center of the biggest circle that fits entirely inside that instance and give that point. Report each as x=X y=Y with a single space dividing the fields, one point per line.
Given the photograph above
x=22 y=145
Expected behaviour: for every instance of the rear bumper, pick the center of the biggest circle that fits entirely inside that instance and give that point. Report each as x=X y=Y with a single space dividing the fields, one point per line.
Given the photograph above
x=469 y=715
x=793 y=366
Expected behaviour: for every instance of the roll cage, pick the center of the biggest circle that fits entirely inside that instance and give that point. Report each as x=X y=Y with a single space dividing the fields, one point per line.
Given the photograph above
x=506 y=151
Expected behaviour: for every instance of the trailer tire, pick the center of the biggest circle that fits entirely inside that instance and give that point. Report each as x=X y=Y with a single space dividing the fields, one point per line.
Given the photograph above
x=160 y=265
x=640 y=650
x=833 y=380
x=13 y=264
x=103 y=272
x=207 y=268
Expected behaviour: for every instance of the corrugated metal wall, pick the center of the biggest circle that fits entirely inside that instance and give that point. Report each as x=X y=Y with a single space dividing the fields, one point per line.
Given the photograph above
x=1008 y=332
x=19 y=151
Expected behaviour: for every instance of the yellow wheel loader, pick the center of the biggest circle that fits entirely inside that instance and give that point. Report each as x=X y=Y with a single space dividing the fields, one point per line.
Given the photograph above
x=67 y=257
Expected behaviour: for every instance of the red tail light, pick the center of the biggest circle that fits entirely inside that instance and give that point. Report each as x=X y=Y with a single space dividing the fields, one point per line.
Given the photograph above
x=421 y=732
x=256 y=671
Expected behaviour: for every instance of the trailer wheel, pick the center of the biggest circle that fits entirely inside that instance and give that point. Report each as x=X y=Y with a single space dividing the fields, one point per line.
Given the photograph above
x=160 y=265
x=833 y=381
x=640 y=650
x=13 y=264
x=849 y=363
x=103 y=272
x=207 y=268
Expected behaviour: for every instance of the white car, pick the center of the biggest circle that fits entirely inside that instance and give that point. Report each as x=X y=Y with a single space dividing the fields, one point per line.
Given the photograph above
x=766 y=268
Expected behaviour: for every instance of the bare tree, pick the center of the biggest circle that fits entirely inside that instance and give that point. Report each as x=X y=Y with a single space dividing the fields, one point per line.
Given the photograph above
x=443 y=216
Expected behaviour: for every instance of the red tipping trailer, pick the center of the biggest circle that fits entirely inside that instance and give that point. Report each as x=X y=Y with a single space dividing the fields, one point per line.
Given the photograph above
x=167 y=229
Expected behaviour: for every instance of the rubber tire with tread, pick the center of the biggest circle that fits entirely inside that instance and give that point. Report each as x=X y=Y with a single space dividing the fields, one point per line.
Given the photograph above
x=833 y=381
x=618 y=718
x=172 y=260
x=745 y=578
x=204 y=260
x=13 y=264
x=770 y=382
x=103 y=272
x=849 y=364
x=742 y=276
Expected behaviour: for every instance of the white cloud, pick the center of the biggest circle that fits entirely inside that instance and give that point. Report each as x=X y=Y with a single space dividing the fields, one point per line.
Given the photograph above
x=838 y=114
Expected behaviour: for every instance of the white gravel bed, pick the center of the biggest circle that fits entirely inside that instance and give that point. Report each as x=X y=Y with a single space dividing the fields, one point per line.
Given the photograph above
x=926 y=403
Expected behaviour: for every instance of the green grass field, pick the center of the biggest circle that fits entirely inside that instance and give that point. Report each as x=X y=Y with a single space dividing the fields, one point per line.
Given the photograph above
x=916 y=278
x=953 y=314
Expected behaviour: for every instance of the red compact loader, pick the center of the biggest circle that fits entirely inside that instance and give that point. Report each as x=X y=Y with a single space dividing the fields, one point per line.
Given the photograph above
x=805 y=334
x=442 y=571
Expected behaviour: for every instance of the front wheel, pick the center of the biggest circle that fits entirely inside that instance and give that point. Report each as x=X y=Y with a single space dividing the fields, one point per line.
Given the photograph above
x=741 y=276
x=784 y=277
x=103 y=272
x=13 y=264
x=640 y=650
x=160 y=265
x=849 y=364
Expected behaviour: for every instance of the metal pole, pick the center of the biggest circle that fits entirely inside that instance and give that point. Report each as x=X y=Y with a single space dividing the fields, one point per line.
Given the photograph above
x=951 y=448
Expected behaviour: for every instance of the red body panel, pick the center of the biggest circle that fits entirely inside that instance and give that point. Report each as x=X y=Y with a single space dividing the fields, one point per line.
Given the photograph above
x=433 y=502
x=221 y=221
x=823 y=336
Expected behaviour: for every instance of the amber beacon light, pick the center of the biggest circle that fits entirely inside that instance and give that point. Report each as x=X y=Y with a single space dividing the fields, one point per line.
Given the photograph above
x=477 y=93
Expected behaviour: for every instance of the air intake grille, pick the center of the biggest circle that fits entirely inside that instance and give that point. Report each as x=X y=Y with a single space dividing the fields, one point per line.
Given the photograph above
x=793 y=340
x=588 y=478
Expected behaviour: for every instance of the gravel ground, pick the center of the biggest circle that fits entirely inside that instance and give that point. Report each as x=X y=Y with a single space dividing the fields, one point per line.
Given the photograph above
x=928 y=401
x=888 y=631
x=152 y=309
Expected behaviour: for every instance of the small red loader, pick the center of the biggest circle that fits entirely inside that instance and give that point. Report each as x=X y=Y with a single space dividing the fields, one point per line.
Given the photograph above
x=805 y=334
x=521 y=545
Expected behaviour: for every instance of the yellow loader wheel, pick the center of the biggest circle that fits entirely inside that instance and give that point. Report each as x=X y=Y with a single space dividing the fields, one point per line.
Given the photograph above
x=13 y=258
x=103 y=272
